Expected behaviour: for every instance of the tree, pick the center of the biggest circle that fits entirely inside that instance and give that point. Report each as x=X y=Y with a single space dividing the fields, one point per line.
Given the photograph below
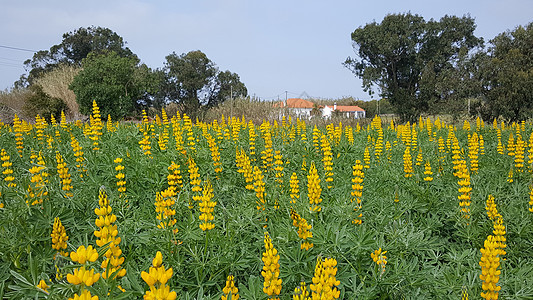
x=119 y=85
x=74 y=47
x=507 y=75
x=195 y=83
x=402 y=56
x=40 y=103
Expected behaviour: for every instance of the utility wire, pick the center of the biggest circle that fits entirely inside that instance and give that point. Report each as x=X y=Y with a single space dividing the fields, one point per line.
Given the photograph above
x=16 y=48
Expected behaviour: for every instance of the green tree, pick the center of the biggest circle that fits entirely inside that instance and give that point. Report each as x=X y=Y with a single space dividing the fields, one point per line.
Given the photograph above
x=75 y=46
x=402 y=56
x=507 y=75
x=194 y=82
x=40 y=103
x=119 y=85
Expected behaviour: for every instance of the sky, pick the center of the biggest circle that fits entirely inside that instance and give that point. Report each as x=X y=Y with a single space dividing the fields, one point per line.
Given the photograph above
x=274 y=46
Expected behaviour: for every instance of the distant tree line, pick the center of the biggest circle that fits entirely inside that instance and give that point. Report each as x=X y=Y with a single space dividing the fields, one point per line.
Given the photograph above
x=111 y=74
x=437 y=67
x=414 y=65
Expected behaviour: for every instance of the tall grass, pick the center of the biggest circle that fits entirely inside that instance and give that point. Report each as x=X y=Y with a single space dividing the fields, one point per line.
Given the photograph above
x=56 y=82
x=12 y=102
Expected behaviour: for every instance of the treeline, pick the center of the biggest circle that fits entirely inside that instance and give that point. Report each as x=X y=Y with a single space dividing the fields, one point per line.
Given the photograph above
x=413 y=65
x=434 y=67
x=94 y=64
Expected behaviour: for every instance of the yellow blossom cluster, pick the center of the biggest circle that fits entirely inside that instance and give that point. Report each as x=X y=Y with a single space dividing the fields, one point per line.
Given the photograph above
x=231 y=292
x=107 y=235
x=270 y=272
x=8 y=171
x=83 y=276
x=464 y=189
x=278 y=167
x=245 y=168
x=295 y=188
x=428 y=174
x=78 y=153
x=490 y=275
x=96 y=126
x=407 y=163
x=62 y=171
x=304 y=229
x=207 y=206
x=59 y=237
x=157 y=278
x=164 y=210
x=378 y=256
x=357 y=190
x=121 y=178
x=313 y=189
x=325 y=284
x=195 y=181
x=301 y=292
x=18 y=128
x=37 y=189
x=259 y=187
x=327 y=161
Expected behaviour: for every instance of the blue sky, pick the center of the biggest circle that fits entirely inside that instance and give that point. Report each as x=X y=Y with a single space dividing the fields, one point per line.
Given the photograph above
x=275 y=46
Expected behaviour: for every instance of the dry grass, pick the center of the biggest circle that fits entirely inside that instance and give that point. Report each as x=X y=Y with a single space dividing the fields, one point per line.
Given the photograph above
x=11 y=103
x=56 y=82
x=251 y=109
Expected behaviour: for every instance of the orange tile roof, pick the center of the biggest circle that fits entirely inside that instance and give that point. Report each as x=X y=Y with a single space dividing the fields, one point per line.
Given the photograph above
x=349 y=108
x=295 y=103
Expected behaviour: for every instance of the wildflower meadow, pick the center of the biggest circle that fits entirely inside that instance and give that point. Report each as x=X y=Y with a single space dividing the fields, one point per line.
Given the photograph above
x=174 y=208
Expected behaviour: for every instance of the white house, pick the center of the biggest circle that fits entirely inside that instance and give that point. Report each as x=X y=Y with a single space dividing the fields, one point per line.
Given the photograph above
x=299 y=107
x=354 y=112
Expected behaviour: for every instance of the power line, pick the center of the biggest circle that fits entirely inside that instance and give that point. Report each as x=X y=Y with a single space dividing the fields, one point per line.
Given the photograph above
x=16 y=48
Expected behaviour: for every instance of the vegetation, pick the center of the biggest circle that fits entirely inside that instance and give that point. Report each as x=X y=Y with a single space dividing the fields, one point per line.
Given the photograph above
x=40 y=103
x=120 y=84
x=203 y=211
x=194 y=82
x=405 y=56
x=74 y=47
x=507 y=75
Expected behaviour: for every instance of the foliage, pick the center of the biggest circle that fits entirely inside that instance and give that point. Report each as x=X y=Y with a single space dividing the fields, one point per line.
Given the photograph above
x=40 y=103
x=507 y=75
x=430 y=251
x=118 y=84
x=75 y=46
x=194 y=82
x=404 y=57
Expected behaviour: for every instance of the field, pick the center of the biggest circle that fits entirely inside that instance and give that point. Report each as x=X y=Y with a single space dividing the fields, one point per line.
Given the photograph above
x=279 y=210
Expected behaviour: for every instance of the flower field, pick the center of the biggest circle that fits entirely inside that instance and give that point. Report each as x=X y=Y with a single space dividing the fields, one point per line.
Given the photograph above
x=175 y=209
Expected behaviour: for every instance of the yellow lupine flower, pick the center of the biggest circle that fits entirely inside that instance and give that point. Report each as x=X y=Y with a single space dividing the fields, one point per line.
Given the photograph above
x=83 y=276
x=83 y=254
x=230 y=290
x=43 y=286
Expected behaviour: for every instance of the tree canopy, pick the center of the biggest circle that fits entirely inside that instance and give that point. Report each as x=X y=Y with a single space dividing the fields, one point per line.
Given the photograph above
x=507 y=75
x=75 y=46
x=405 y=56
x=119 y=85
x=194 y=82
